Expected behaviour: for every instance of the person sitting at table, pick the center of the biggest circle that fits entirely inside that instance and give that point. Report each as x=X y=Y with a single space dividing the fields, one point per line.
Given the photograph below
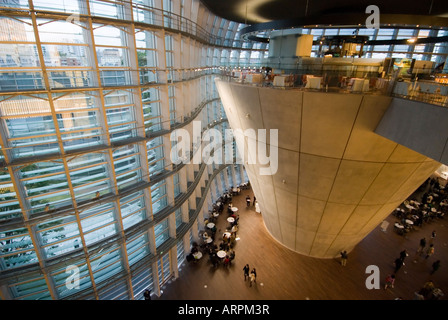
x=214 y=260
x=232 y=256
x=226 y=261
x=205 y=235
x=232 y=239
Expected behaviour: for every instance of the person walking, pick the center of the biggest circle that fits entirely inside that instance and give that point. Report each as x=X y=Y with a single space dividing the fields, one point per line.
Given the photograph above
x=421 y=246
x=435 y=266
x=344 y=257
x=248 y=201
x=430 y=251
x=253 y=277
x=390 y=281
x=433 y=236
x=398 y=264
x=246 y=271
x=147 y=294
x=403 y=254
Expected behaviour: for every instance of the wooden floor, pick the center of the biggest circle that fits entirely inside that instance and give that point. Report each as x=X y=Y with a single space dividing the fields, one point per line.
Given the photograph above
x=285 y=275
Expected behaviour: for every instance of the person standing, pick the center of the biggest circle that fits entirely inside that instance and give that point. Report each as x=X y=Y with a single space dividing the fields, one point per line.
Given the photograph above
x=430 y=251
x=246 y=271
x=435 y=266
x=255 y=199
x=248 y=201
x=344 y=257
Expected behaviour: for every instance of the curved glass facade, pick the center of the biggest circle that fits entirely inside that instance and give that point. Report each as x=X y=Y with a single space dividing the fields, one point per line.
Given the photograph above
x=90 y=92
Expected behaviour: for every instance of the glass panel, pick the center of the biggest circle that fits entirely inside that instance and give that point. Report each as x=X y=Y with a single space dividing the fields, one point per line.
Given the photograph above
x=60 y=31
x=106 y=265
x=56 y=5
x=141 y=281
x=60 y=277
x=31 y=287
x=75 y=101
x=137 y=248
x=71 y=121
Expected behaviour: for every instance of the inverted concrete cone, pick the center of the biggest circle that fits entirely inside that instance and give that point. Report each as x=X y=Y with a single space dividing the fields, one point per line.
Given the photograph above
x=336 y=179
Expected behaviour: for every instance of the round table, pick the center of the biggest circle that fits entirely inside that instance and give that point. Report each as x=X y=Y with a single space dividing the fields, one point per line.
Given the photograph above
x=409 y=207
x=399 y=226
x=231 y=219
x=433 y=209
x=226 y=234
x=234 y=209
x=216 y=214
x=409 y=221
x=218 y=203
x=210 y=225
x=197 y=255
x=221 y=254
x=209 y=240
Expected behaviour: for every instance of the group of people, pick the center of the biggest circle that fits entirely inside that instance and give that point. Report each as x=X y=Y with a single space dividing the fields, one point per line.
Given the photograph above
x=228 y=239
x=252 y=276
x=433 y=205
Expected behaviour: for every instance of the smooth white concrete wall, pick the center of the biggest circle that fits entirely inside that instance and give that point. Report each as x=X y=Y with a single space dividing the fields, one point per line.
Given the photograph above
x=337 y=179
x=419 y=126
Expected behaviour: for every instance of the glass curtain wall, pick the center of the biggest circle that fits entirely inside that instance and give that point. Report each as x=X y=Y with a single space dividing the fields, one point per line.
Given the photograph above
x=87 y=106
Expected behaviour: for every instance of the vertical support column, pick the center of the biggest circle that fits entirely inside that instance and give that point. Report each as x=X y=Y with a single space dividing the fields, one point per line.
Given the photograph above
x=174 y=262
x=195 y=231
x=155 y=279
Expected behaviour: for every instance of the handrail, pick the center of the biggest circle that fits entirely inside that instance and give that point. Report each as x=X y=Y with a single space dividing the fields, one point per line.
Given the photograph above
x=433 y=92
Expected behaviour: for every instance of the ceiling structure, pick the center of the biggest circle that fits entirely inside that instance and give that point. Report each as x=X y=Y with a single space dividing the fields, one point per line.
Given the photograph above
x=345 y=12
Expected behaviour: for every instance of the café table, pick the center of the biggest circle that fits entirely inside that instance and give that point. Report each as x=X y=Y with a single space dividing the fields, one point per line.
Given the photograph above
x=279 y=81
x=216 y=214
x=234 y=209
x=313 y=82
x=210 y=225
x=409 y=221
x=221 y=254
x=226 y=234
x=197 y=255
x=231 y=219
x=209 y=240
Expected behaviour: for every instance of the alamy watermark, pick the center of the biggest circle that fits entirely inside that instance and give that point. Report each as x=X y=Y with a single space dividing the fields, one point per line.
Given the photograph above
x=253 y=147
x=72 y=281
x=373 y=21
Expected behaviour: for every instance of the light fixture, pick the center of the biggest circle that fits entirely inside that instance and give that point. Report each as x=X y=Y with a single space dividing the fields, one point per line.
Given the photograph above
x=411 y=40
